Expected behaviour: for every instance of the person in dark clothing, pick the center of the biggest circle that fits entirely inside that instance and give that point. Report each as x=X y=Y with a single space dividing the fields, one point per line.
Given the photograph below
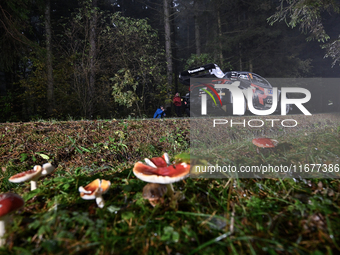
x=186 y=102
x=160 y=112
x=177 y=101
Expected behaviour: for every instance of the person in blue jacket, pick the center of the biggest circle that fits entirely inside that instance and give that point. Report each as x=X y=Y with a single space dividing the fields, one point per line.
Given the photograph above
x=159 y=112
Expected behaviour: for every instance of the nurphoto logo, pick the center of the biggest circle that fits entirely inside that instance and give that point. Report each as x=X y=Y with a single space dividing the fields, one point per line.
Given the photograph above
x=239 y=102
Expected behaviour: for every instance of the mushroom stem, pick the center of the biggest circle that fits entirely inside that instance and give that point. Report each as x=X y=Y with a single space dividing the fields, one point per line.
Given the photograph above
x=34 y=182
x=100 y=201
x=170 y=190
x=3 y=221
x=33 y=185
x=155 y=202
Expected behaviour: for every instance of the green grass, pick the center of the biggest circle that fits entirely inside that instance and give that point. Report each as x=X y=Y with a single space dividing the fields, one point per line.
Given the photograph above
x=217 y=216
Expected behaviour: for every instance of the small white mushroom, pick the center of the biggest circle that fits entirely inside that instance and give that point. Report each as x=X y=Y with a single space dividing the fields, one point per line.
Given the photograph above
x=32 y=175
x=47 y=169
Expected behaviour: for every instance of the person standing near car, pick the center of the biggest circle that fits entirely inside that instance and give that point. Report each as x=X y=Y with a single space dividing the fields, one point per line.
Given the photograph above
x=186 y=101
x=177 y=101
x=160 y=112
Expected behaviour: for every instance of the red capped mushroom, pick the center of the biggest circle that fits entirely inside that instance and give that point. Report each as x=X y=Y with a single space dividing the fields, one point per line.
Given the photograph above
x=95 y=190
x=158 y=170
x=9 y=202
x=162 y=175
x=265 y=142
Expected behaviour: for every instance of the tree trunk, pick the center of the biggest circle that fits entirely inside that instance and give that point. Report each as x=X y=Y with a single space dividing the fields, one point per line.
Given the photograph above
x=188 y=34
x=49 y=67
x=174 y=48
x=220 y=53
x=168 y=54
x=197 y=30
x=92 y=56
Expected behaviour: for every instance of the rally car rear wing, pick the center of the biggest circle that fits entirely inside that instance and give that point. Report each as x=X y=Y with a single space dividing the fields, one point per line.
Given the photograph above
x=206 y=71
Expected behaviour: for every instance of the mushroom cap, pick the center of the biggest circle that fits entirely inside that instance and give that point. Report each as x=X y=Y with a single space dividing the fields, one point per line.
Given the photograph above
x=265 y=142
x=158 y=161
x=94 y=189
x=47 y=169
x=34 y=173
x=162 y=175
x=105 y=186
x=154 y=191
x=10 y=202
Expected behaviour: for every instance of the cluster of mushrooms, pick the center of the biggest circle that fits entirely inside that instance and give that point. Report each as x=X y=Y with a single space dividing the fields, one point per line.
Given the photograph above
x=158 y=171
x=10 y=202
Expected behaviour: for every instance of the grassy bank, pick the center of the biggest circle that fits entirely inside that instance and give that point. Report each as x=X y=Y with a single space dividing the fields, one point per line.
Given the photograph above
x=217 y=216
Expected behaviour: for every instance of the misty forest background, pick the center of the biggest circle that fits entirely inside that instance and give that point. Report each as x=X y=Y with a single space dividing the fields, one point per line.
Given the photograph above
x=117 y=58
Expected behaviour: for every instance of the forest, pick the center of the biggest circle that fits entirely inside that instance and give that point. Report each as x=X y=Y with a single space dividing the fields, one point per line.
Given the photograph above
x=102 y=59
x=92 y=173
